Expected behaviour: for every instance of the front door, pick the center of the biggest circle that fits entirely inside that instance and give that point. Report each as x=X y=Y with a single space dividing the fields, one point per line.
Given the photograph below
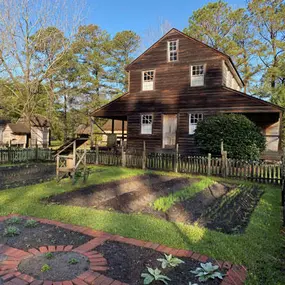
x=169 y=131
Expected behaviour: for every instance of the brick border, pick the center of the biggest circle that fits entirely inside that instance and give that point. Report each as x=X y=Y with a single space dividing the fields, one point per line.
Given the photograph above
x=236 y=274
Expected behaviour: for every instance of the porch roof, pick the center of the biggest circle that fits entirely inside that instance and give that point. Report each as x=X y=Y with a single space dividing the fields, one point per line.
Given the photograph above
x=218 y=99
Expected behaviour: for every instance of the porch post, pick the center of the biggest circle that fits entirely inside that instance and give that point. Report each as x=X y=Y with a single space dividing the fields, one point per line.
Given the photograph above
x=113 y=125
x=280 y=131
x=123 y=130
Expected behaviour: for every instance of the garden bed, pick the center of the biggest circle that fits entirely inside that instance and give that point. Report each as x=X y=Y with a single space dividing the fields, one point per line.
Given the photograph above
x=130 y=261
x=59 y=266
x=126 y=195
x=39 y=235
x=220 y=206
x=25 y=174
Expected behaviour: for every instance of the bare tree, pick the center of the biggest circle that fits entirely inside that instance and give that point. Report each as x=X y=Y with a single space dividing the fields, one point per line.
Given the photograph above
x=152 y=34
x=34 y=37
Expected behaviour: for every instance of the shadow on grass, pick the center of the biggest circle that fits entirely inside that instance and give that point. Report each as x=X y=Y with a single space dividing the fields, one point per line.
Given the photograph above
x=259 y=248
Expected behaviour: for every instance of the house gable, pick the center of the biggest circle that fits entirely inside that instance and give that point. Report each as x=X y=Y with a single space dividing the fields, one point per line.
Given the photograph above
x=190 y=52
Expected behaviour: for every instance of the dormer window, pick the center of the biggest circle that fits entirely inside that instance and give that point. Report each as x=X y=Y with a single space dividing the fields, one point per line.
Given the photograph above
x=148 y=80
x=197 y=75
x=172 y=50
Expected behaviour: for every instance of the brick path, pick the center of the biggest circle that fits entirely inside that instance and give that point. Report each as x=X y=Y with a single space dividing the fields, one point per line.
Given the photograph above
x=10 y=275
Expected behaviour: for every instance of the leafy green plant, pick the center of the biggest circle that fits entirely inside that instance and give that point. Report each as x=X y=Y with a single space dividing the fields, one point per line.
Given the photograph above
x=11 y=231
x=49 y=255
x=14 y=221
x=242 y=138
x=207 y=271
x=169 y=261
x=73 y=261
x=31 y=223
x=45 y=268
x=154 y=275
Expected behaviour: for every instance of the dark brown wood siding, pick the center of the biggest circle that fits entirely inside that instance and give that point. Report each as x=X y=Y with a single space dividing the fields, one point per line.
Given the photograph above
x=176 y=75
x=135 y=138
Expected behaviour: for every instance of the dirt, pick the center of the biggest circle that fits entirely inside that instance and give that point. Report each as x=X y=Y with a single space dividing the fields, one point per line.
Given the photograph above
x=25 y=174
x=189 y=211
x=220 y=207
x=127 y=195
x=41 y=235
x=231 y=214
x=60 y=268
x=130 y=262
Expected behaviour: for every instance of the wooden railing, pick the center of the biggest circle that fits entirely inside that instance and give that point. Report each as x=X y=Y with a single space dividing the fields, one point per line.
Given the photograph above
x=12 y=155
x=204 y=165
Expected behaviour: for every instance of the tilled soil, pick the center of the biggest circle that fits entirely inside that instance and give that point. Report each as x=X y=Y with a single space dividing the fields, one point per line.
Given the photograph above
x=220 y=207
x=41 y=235
x=126 y=195
x=231 y=214
x=189 y=211
x=59 y=267
x=28 y=174
x=130 y=262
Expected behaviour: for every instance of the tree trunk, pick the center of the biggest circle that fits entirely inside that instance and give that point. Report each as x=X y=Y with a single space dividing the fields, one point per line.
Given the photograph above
x=65 y=132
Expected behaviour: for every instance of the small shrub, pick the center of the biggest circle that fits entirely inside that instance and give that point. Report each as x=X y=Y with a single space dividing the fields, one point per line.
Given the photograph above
x=154 y=275
x=49 y=255
x=207 y=271
x=169 y=261
x=11 y=231
x=242 y=138
x=14 y=221
x=45 y=268
x=73 y=261
x=31 y=223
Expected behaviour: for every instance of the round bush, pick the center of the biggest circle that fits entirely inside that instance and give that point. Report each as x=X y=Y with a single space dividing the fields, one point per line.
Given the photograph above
x=242 y=138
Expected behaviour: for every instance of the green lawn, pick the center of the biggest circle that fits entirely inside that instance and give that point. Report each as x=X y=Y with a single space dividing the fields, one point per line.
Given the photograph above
x=258 y=249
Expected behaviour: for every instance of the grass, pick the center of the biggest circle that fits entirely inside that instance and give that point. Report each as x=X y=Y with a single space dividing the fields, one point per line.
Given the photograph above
x=259 y=249
x=166 y=202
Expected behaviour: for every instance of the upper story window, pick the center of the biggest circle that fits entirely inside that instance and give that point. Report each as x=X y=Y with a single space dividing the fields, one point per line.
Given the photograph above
x=197 y=75
x=193 y=121
x=148 y=80
x=146 y=124
x=172 y=50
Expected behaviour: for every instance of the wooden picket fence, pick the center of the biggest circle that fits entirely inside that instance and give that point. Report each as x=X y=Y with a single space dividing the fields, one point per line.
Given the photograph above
x=12 y=155
x=204 y=165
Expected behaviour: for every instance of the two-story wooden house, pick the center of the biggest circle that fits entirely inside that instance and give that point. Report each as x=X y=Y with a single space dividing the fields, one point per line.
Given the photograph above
x=177 y=82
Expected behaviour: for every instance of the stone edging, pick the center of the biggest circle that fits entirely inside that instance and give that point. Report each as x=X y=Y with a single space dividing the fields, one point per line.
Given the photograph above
x=236 y=274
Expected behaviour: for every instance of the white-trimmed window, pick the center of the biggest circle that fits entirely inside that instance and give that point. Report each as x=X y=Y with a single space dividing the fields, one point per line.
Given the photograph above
x=193 y=121
x=172 y=50
x=147 y=80
x=146 y=124
x=197 y=75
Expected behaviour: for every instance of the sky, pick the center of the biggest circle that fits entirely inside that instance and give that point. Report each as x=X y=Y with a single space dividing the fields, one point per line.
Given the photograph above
x=140 y=16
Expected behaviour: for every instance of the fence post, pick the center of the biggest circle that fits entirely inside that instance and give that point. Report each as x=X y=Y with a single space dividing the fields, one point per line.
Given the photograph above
x=144 y=156
x=224 y=164
x=176 y=158
x=123 y=157
x=97 y=155
x=36 y=151
x=209 y=164
x=9 y=154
